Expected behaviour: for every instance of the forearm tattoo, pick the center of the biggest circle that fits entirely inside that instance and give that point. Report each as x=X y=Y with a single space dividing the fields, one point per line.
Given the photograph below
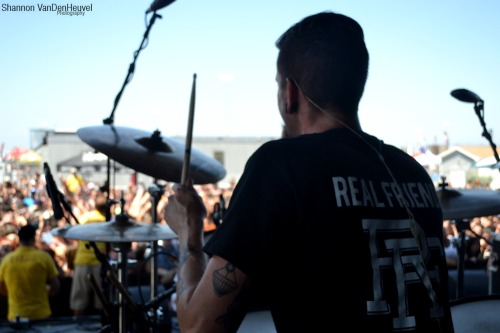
x=224 y=283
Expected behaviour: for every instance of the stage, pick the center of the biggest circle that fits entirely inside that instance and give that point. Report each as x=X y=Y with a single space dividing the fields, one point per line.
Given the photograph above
x=66 y=325
x=257 y=321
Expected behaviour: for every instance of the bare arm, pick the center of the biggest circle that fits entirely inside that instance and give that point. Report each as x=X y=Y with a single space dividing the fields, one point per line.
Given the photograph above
x=209 y=293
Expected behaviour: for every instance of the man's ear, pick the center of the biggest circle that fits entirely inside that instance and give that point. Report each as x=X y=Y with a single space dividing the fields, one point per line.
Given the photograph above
x=292 y=100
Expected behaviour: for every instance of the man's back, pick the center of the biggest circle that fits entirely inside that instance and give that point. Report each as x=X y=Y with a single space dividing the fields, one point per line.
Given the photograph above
x=25 y=272
x=332 y=239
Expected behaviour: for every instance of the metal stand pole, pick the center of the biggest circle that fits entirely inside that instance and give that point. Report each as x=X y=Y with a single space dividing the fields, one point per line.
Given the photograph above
x=156 y=192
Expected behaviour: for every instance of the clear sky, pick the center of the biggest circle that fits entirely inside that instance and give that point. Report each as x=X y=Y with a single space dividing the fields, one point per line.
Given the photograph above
x=64 y=72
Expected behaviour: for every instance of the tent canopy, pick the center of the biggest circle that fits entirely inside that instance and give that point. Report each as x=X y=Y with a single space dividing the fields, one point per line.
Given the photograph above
x=88 y=160
x=30 y=157
x=15 y=153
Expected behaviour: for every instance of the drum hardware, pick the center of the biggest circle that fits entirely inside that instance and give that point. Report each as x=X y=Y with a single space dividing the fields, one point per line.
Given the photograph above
x=132 y=148
x=120 y=232
x=476 y=314
x=492 y=266
x=460 y=206
x=467 y=204
x=155 y=155
x=463 y=225
x=219 y=211
x=104 y=301
x=156 y=191
x=257 y=321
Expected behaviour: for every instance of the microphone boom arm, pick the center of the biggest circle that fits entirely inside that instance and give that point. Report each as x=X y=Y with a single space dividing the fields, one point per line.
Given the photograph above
x=479 y=109
x=110 y=119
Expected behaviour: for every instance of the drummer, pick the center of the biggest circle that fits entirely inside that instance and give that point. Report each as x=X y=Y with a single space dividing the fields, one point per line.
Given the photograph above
x=304 y=199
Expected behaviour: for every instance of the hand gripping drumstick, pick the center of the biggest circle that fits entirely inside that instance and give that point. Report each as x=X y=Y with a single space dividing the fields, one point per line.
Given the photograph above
x=189 y=136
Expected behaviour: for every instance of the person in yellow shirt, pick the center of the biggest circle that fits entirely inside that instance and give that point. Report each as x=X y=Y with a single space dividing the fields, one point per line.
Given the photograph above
x=74 y=182
x=86 y=262
x=28 y=276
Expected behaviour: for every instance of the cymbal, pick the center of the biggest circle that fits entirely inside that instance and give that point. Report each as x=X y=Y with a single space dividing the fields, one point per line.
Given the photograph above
x=151 y=153
x=120 y=229
x=467 y=204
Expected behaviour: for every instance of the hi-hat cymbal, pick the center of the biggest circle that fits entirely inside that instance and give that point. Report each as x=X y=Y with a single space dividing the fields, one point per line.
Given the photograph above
x=118 y=230
x=467 y=204
x=151 y=154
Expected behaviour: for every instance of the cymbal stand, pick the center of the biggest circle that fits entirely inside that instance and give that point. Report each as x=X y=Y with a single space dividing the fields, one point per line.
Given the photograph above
x=462 y=226
x=120 y=282
x=124 y=298
x=156 y=191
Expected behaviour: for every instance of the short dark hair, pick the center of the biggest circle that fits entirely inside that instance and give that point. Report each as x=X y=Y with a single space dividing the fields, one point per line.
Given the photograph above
x=26 y=233
x=325 y=54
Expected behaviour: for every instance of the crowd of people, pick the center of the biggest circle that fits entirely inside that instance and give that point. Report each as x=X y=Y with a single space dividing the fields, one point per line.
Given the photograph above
x=26 y=202
x=476 y=236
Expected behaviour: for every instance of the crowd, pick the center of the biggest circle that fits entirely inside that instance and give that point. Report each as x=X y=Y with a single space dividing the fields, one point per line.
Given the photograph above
x=25 y=201
x=477 y=235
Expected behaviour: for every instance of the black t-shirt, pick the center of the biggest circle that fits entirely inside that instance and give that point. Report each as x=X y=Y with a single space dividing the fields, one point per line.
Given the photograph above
x=324 y=229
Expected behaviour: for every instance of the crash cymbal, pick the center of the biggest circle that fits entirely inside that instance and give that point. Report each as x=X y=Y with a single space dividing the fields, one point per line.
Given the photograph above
x=151 y=153
x=120 y=229
x=467 y=204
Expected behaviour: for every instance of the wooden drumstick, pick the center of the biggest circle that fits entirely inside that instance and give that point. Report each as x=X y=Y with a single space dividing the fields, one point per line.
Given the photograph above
x=189 y=136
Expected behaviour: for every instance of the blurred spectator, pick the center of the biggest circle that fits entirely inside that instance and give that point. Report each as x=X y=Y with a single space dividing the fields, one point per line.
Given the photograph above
x=74 y=182
x=450 y=249
x=24 y=276
x=474 y=258
x=485 y=243
x=86 y=262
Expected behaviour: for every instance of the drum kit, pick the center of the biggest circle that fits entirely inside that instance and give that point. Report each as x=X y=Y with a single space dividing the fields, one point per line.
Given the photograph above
x=161 y=158
x=154 y=155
